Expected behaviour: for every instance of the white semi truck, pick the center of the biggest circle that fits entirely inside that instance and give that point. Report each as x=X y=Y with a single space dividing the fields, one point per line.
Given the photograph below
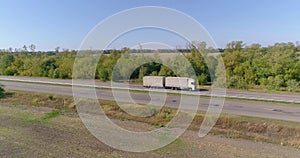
x=183 y=83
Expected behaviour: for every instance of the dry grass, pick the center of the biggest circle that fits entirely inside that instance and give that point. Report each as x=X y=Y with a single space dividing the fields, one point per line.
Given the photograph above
x=38 y=99
x=231 y=126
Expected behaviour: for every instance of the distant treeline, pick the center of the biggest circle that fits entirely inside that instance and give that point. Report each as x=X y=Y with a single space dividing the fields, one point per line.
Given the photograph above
x=276 y=67
x=165 y=51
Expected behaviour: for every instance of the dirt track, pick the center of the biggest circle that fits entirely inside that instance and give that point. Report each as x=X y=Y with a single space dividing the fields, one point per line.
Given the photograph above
x=65 y=136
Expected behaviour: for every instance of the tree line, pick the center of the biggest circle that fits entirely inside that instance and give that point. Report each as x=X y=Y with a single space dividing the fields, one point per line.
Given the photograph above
x=275 y=67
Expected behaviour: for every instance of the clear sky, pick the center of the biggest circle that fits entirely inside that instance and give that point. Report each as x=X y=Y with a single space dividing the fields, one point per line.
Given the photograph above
x=65 y=23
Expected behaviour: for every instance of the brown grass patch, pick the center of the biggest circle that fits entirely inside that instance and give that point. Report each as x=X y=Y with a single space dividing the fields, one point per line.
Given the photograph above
x=231 y=126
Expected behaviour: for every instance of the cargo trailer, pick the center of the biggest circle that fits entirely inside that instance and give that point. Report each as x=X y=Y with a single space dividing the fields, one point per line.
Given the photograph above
x=154 y=81
x=183 y=83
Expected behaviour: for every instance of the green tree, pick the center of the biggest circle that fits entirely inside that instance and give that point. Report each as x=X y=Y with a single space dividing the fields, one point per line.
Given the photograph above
x=106 y=65
x=202 y=79
x=199 y=59
x=48 y=67
x=165 y=71
x=5 y=61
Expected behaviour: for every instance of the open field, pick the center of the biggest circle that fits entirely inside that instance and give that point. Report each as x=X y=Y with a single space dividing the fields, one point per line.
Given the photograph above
x=64 y=135
x=230 y=126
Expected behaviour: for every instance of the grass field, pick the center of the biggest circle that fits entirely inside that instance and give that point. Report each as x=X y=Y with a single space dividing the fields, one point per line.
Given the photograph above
x=231 y=126
x=62 y=134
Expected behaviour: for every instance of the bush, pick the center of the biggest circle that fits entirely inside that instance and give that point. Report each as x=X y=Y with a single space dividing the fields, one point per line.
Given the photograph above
x=1 y=91
x=263 y=81
x=231 y=82
x=275 y=83
x=238 y=82
x=50 y=97
x=202 y=79
x=292 y=85
x=278 y=81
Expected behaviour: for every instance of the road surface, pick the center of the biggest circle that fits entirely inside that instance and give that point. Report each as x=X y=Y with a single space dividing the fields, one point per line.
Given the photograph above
x=289 y=98
x=280 y=111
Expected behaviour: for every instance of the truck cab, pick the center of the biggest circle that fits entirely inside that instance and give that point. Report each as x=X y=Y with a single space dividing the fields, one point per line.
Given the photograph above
x=192 y=84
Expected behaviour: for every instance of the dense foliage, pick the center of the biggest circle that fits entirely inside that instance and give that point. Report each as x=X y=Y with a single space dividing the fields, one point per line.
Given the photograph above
x=275 y=67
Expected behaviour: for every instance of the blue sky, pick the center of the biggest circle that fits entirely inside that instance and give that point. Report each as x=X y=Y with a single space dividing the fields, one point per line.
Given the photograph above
x=65 y=23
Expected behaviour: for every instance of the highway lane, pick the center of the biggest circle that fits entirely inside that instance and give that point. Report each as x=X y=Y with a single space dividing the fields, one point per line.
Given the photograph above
x=290 y=98
x=278 y=111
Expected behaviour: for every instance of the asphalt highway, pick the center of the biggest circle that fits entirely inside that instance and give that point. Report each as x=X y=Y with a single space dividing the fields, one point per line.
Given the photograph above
x=280 y=111
x=289 y=98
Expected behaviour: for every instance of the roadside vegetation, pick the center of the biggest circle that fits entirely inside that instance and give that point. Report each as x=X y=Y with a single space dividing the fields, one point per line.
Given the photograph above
x=273 y=68
x=1 y=91
x=231 y=126
x=54 y=113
